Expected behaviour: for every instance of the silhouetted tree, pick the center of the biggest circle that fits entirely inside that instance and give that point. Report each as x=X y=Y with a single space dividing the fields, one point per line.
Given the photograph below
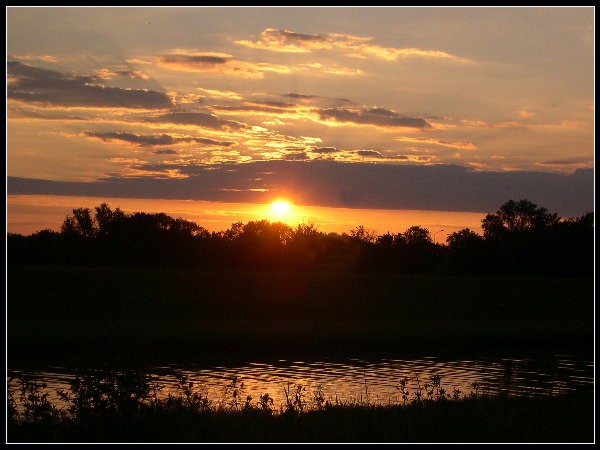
x=385 y=240
x=463 y=239
x=306 y=246
x=524 y=239
x=361 y=234
x=419 y=251
x=42 y=247
x=80 y=223
x=417 y=235
x=258 y=243
x=17 y=248
x=519 y=239
x=516 y=216
x=569 y=247
x=234 y=232
x=105 y=218
x=362 y=245
x=386 y=255
x=466 y=252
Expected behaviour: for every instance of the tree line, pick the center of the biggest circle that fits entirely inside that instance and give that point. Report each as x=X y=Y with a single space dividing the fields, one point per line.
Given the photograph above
x=518 y=239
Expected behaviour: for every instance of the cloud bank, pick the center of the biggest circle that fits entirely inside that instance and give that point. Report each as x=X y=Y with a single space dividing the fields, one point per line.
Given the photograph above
x=328 y=183
x=375 y=116
x=51 y=88
x=153 y=140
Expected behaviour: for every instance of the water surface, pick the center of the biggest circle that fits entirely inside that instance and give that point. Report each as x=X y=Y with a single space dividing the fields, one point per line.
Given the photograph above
x=357 y=380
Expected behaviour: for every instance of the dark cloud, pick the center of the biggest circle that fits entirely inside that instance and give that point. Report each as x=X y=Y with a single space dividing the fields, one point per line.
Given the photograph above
x=370 y=153
x=246 y=108
x=107 y=74
x=209 y=141
x=335 y=184
x=208 y=60
x=325 y=150
x=48 y=87
x=133 y=74
x=299 y=96
x=297 y=156
x=154 y=140
x=379 y=155
x=259 y=106
x=198 y=119
x=292 y=36
x=381 y=112
x=219 y=63
x=561 y=162
x=167 y=151
x=376 y=116
x=275 y=104
x=139 y=140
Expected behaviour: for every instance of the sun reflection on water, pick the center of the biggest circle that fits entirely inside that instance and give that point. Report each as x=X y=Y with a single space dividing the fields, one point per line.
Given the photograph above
x=357 y=381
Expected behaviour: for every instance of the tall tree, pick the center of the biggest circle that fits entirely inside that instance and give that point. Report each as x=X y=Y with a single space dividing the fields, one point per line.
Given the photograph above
x=515 y=216
x=80 y=224
x=105 y=217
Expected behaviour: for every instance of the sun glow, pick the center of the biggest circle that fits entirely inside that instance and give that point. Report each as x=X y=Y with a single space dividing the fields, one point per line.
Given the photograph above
x=280 y=208
x=29 y=214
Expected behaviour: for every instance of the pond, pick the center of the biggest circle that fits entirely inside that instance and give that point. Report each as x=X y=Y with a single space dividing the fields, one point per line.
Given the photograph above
x=354 y=380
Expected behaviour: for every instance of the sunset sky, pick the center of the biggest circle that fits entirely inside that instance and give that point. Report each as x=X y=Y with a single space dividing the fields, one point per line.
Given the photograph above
x=388 y=117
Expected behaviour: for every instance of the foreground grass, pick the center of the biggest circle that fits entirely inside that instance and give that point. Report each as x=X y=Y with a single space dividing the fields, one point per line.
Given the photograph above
x=100 y=313
x=494 y=420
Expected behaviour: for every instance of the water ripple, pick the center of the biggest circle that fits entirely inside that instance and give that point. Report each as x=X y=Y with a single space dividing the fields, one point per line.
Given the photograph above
x=354 y=379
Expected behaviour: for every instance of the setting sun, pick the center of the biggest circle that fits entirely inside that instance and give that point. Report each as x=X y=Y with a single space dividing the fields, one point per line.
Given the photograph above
x=310 y=219
x=280 y=207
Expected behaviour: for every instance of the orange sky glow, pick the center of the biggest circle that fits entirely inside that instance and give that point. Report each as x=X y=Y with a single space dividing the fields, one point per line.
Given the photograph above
x=386 y=117
x=28 y=214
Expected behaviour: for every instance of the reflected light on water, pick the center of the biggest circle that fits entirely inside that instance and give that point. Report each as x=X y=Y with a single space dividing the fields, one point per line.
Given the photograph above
x=352 y=381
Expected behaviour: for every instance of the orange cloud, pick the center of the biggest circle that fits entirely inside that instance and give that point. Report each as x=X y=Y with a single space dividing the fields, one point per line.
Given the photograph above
x=524 y=114
x=45 y=58
x=275 y=107
x=220 y=94
x=354 y=46
x=191 y=61
x=194 y=61
x=287 y=41
x=139 y=61
x=573 y=124
x=108 y=74
x=442 y=142
x=365 y=155
x=345 y=71
x=485 y=124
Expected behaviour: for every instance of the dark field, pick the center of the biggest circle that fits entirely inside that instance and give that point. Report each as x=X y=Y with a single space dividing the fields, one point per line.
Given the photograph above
x=92 y=317
x=99 y=315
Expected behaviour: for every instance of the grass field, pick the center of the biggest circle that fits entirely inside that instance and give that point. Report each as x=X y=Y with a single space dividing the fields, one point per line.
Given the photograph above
x=566 y=419
x=91 y=313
